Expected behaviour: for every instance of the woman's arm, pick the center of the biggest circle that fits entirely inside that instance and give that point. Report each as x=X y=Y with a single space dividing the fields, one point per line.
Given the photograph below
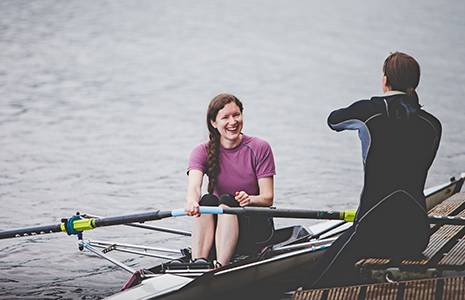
x=194 y=190
x=265 y=198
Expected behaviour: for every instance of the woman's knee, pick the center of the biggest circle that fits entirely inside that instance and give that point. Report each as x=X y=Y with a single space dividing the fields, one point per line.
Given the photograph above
x=209 y=200
x=228 y=200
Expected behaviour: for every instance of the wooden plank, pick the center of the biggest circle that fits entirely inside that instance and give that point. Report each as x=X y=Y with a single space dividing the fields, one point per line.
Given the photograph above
x=309 y=295
x=456 y=256
x=450 y=206
x=366 y=262
x=387 y=291
x=454 y=288
x=444 y=209
x=436 y=243
x=341 y=293
x=420 y=290
x=344 y=293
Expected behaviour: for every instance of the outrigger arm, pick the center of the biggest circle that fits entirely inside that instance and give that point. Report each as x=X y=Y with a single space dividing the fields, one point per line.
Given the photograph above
x=101 y=254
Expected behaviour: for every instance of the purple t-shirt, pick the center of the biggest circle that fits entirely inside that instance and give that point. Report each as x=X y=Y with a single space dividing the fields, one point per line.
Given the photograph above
x=240 y=167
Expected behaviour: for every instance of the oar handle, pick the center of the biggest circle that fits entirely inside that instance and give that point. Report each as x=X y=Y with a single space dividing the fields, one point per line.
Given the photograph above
x=202 y=210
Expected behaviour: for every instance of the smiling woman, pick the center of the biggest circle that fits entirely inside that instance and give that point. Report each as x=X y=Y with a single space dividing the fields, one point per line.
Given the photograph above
x=240 y=171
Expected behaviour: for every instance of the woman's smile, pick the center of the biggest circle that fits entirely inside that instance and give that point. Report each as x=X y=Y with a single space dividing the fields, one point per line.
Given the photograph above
x=229 y=124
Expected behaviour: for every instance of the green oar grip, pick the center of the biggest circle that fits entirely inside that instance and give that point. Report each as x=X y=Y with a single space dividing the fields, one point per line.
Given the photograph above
x=81 y=225
x=349 y=215
x=77 y=225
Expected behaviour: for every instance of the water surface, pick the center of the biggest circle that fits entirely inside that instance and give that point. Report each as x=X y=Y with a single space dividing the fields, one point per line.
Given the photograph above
x=101 y=103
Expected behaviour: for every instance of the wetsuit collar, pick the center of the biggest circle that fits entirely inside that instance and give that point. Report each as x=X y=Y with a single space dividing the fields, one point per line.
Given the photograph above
x=392 y=93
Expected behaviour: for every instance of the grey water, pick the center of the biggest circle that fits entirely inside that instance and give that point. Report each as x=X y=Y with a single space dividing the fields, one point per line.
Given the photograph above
x=101 y=103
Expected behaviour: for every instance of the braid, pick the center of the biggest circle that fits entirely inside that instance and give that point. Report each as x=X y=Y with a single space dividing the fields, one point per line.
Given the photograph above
x=213 y=163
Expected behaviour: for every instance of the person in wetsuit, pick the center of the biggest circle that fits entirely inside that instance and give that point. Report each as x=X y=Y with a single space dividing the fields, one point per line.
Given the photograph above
x=399 y=143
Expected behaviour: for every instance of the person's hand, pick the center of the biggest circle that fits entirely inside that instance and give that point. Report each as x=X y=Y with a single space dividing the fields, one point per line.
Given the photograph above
x=192 y=208
x=243 y=198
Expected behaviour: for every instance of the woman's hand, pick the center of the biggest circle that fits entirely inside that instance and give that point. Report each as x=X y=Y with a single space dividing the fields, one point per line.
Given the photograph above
x=243 y=198
x=264 y=199
x=192 y=208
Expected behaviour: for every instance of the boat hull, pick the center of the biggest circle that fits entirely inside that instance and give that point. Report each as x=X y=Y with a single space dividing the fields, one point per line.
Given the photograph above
x=267 y=278
x=229 y=283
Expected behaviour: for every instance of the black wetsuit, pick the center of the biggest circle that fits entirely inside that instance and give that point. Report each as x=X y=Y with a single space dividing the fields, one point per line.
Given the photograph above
x=399 y=143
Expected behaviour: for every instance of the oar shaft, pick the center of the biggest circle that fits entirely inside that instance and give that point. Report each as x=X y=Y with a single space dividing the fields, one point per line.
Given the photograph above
x=347 y=215
x=30 y=231
x=156 y=228
x=137 y=218
x=79 y=225
x=288 y=213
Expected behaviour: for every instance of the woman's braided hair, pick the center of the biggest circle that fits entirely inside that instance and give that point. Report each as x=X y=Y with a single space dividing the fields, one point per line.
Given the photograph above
x=213 y=163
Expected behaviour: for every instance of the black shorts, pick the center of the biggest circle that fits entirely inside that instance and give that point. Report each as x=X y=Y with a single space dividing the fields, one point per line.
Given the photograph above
x=254 y=231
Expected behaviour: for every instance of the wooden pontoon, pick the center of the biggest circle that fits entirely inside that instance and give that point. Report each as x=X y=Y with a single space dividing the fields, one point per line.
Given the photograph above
x=438 y=274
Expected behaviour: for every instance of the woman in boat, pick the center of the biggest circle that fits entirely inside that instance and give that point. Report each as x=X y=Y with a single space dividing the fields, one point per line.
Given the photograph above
x=399 y=143
x=240 y=170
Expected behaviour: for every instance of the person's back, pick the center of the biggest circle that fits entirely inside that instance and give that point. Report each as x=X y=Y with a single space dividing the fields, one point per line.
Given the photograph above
x=398 y=148
x=399 y=143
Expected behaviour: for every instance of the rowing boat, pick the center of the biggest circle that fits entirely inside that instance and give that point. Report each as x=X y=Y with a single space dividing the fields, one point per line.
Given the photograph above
x=279 y=267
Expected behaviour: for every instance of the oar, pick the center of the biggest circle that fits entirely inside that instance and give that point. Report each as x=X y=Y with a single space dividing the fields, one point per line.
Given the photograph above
x=76 y=225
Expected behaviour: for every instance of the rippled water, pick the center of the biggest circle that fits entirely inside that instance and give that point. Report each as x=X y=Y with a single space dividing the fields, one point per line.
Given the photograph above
x=101 y=103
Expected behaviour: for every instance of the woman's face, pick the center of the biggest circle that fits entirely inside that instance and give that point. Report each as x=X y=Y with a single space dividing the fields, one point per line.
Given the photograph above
x=229 y=124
